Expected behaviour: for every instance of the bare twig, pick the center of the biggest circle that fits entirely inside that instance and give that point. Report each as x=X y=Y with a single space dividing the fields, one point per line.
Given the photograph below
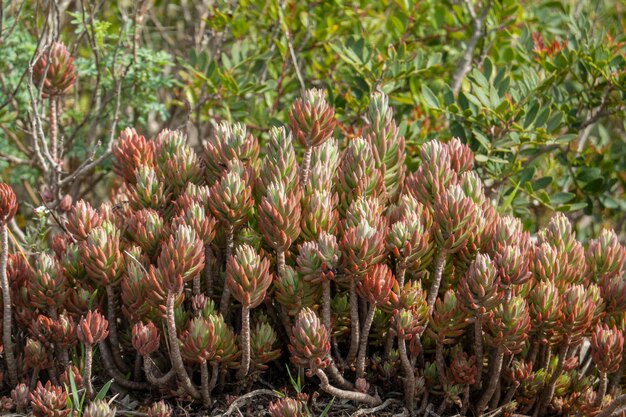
x=247 y=397
x=292 y=52
x=365 y=411
x=465 y=64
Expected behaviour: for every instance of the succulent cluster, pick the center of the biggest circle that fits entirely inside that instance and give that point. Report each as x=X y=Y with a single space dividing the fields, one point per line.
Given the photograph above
x=203 y=265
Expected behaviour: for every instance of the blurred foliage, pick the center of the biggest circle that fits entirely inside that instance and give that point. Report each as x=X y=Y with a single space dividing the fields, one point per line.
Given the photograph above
x=541 y=105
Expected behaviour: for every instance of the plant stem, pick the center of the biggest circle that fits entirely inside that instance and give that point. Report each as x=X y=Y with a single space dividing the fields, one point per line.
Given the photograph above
x=400 y=273
x=196 y=285
x=138 y=367
x=305 y=170
x=175 y=356
x=409 y=375
x=354 y=322
x=326 y=306
x=53 y=127
x=112 y=318
x=209 y=264
x=348 y=395
x=510 y=393
x=617 y=405
x=151 y=373
x=245 y=343
x=87 y=371
x=360 y=362
x=434 y=289
x=546 y=397
x=225 y=300
x=204 y=390
x=214 y=374
x=33 y=379
x=440 y=363
x=478 y=350
x=615 y=380
x=494 y=376
x=112 y=370
x=280 y=262
x=339 y=379
x=6 y=310
x=601 y=389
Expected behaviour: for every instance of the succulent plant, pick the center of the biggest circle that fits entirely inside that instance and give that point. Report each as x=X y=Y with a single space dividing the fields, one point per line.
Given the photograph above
x=247 y=276
x=20 y=395
x=386 y=143
x=229 y=142
x=49 y=401
x=130 y=151
x=607 y=346
x=47 y=289
x=309 y=343
x=146 y=338
x=311 y=119
x=159 y=409
x=54 y=71
x=263 y=341
x=102 y=256
x=8 y=204
x=181 y=258
x=92 y=328
x=294 y=292
x=99 y=408
x=279 y=216
x=287 y=407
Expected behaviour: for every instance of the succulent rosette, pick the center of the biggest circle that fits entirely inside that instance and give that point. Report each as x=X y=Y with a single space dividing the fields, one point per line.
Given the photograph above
x=148 y=191
x=309 y=342
x=35 y=355
x=508 y=325
x=130 y=151
x=463 y=368
x=227 y=143
x=279 y=216
x=318 y=213
x=49 y=401
x=92 y=328
x=196 y=216
x=47 y=289
x=312 y=119
x=279 y=165
x=607 y=346
x=386 y=142
x=449 y=320
x=101 y=254
x=55 y=69
x=361 y=247
x=478 y=289
x=434 y=175
x=376 y=284
x=455 y=219
x=294 y=292
x=175 y=162
x=247 y=276
x=145 y=338
x=231 y=196
x=606 y=256
x=81 y=219
x=181 y=258
x=287 y=407
x=198 y=340
x=146 y=228
x=409 y=241
x=99 y=408
x=357 y=175
x=20 y=395
x=225 y=349
x=544 y=307
x=263 y=341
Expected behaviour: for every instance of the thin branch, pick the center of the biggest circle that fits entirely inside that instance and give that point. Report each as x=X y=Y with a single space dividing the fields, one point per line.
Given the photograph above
x=465 y=64
x=245 y=398
x=292 y=52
